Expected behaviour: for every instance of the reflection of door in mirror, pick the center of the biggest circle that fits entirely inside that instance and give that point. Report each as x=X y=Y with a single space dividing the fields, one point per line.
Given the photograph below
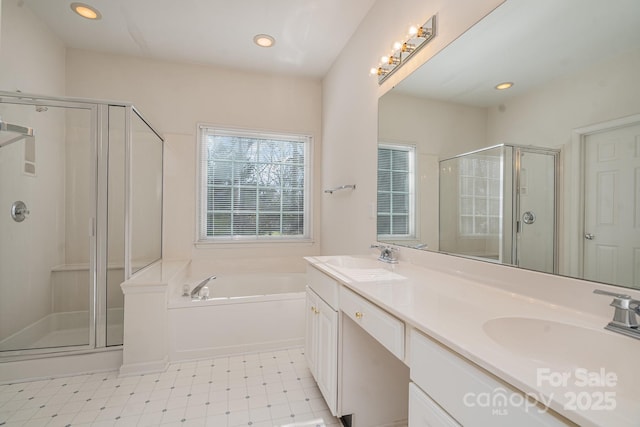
x=612 y=202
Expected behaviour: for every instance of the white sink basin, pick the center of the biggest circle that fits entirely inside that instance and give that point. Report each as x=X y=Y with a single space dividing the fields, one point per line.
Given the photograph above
x=562 y=347
x=362 y=268
x=354 y=262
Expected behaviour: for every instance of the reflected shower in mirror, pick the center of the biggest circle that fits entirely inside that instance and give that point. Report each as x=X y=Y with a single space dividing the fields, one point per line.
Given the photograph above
x=574 y=107
x=499 y=204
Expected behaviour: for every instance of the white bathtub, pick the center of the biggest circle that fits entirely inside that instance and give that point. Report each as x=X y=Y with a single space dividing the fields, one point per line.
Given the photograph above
x=245 y=312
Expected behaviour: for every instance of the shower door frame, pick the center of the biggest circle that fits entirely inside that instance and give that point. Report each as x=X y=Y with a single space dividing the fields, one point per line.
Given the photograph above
x=517 y=215
x=95 y=242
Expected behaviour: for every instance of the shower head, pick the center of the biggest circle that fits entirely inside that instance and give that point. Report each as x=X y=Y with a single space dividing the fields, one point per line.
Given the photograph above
x=10 y=133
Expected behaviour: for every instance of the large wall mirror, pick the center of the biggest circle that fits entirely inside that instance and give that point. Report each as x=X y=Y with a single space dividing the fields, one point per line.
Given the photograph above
x=544 y=175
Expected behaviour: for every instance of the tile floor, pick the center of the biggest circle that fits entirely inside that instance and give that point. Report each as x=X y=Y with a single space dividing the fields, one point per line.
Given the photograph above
x=258 y=390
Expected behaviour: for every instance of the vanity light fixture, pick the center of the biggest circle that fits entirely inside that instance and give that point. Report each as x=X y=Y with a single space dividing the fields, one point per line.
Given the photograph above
x=504 y=85
x=417 y=38
x=86 y=11
x=264 y=40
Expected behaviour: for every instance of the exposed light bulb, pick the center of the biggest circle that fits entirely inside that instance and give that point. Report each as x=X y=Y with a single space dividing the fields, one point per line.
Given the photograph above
x=413 y=30
x=407 y=47
x=384 y=59
x=397 y=46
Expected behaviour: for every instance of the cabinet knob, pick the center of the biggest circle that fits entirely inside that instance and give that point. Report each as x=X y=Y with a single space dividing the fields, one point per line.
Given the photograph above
x=358 y=315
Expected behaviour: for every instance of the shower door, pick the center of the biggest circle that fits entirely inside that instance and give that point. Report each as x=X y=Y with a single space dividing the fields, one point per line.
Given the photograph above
x=535 y=219
x=47 y=252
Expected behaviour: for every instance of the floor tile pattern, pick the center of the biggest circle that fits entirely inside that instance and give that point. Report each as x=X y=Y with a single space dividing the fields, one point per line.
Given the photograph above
x=259 y=390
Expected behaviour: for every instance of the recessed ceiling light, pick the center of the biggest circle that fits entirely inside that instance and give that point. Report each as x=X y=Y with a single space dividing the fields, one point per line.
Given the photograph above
x=86 y=11
x=504 y=85
x=264 y=40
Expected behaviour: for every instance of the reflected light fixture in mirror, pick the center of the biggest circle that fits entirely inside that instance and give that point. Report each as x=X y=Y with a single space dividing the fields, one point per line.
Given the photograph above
x=86 y=11
x=504 y=85
x=417 y=38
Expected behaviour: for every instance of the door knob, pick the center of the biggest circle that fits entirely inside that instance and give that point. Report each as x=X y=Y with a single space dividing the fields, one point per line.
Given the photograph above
x=589 y=236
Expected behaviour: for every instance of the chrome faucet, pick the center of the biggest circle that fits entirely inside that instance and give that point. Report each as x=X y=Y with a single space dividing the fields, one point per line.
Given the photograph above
x=387 y=253
x=196 y=291
x=624 y=317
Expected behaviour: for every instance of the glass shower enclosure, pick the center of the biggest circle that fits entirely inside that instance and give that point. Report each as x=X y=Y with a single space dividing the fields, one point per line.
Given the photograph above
x=80 y=212
x=500 y=204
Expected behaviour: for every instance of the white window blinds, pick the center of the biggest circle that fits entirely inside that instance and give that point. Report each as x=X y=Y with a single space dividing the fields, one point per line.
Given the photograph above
x=253 y=185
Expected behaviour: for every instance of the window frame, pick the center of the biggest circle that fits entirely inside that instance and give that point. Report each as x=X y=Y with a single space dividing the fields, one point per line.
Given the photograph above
x=412 y=215
x=201 y=239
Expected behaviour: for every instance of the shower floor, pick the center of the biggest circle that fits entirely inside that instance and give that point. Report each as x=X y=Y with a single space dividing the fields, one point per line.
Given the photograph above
x=62 y=330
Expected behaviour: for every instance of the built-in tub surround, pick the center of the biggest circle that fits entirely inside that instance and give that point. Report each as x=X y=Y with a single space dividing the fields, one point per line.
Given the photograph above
x=245 y=312
x=526 y=328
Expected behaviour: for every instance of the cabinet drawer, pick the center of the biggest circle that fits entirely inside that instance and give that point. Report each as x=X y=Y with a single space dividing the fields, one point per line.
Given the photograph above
x=424 y=412
x=471 y=395
x=323 y=285
x=385 y=328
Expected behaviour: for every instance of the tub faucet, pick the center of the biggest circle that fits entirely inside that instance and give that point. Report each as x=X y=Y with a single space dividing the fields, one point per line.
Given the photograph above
x=198 y=288
x=624 y=317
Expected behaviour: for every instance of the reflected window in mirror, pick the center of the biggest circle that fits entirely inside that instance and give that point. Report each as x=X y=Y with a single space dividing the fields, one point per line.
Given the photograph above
x=396 y=191
x=480 y=196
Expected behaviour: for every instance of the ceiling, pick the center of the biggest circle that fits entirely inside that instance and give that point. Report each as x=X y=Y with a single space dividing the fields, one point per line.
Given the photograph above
x=528 y=43
x=309 y=33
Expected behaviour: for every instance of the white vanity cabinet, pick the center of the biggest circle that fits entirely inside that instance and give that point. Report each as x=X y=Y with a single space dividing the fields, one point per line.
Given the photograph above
x=321 y=338
x=424 y=412
x=385 y=328
x=348 y=340
x=458 y=391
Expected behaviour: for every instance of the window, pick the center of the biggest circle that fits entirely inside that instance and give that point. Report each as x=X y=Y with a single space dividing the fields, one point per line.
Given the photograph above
x=396 y=191
x=254 y=186
x=480 y=196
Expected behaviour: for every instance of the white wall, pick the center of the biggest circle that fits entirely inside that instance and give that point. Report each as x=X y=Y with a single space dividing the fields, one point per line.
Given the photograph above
x=174 y=98
x=32 y=57
x=350 y=113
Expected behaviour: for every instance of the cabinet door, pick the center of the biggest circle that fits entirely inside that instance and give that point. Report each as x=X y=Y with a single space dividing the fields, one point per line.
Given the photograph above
x=327 y=354
x=424 y=412
x=311 y=332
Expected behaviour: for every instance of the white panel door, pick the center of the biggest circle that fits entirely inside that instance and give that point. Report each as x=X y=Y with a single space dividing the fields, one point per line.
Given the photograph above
x=612 y=206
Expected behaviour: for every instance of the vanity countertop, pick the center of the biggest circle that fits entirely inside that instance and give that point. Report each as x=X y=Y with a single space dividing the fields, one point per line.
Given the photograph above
x=559 y=355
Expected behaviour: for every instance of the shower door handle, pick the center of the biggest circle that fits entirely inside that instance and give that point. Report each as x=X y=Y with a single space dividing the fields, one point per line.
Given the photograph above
x=529 y=217
x=589 y=236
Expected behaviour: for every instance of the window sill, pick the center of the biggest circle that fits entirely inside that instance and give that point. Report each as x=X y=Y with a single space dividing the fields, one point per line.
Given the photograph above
x=220 y=244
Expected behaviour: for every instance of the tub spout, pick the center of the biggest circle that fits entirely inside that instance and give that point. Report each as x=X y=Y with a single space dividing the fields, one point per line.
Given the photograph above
x=196 y=290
